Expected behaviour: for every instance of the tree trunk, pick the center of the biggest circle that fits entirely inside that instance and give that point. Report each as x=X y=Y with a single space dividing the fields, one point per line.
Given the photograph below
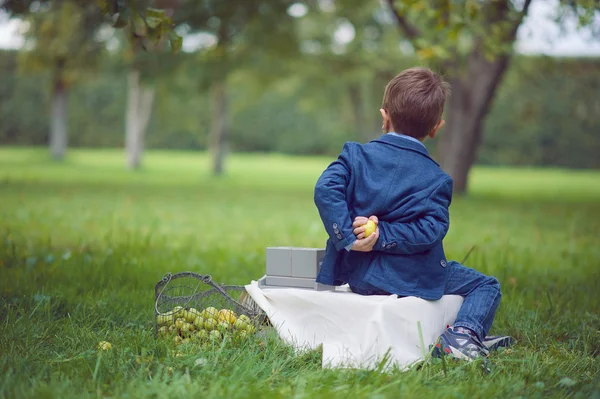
x=58 y=126
x=472 y=90
x=218 y=143
x=467 y=108
x=139 y=110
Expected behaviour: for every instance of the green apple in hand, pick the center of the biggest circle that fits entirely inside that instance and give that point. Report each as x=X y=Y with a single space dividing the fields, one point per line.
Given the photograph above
x=370 y=228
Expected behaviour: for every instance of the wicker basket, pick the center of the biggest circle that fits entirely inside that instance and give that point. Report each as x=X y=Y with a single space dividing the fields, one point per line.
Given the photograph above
x=186 y=296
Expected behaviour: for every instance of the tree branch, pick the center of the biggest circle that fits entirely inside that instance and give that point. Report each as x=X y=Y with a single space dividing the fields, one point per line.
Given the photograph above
x=411 y=31
x=522 y=15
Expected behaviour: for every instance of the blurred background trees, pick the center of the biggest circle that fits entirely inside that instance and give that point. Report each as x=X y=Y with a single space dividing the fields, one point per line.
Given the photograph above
x=60 y=41
x=297 y=77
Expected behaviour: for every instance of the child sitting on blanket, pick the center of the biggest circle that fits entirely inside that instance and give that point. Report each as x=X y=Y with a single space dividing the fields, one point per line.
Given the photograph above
x=394 y=182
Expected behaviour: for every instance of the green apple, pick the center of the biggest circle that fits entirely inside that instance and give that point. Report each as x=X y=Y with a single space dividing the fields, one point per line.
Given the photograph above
x=210 y=324
x=227 y=315
x=169 y=317
x=104 y=346
x=164 y=330
x=185 y=328
x=240 y=324
x=165 y=318
x=210 y=312
x=202 y=334
x=192 y=314
x=223 y=326
x=184 y=314
x=199 y=322
x=370 y=228
x=177 y=310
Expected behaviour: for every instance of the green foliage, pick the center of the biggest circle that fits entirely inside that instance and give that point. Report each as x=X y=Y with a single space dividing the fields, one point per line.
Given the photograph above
x=546 y=114
x=447 y=32
x=146 y=24
x=83 y=243
x=585 y=11
x=60 y=38
x=253 y=34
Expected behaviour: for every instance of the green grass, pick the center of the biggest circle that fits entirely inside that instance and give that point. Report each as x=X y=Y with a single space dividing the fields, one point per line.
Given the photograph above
x=84 y=242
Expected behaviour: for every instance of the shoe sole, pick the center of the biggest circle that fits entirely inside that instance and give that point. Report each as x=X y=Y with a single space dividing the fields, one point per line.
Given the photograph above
x=438 y=352
x=500 y=342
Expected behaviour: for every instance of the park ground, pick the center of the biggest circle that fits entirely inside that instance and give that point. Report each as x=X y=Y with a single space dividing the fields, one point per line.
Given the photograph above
x=83 y=243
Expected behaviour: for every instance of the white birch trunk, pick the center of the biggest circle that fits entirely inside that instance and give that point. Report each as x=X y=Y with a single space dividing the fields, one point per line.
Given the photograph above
x=139 y=111
x=58 y=124
x=219 y=127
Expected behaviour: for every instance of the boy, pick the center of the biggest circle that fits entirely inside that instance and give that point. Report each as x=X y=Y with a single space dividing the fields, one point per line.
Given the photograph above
x=394 y=182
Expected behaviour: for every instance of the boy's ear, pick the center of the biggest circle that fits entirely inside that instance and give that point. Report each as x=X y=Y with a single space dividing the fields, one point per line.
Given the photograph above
x=437 y=127
x=386 y=124
x=384 y=113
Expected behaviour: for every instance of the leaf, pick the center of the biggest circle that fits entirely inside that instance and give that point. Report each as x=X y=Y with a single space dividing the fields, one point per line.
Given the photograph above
x=121 y=21
x=153 y=22
x=155 y=13
x=176 y=42
x=156 y=35
x=139 y=26
x=104 y=5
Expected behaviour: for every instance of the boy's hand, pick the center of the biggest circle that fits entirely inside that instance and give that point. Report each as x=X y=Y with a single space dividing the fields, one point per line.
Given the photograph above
x=366 y=244
x=359 y=226
x=363 y=244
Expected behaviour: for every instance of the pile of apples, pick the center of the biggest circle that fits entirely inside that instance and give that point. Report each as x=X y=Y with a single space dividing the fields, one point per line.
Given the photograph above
x=210 y=324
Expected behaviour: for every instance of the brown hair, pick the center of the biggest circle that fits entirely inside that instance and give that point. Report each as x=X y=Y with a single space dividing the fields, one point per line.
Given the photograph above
x=415 y=99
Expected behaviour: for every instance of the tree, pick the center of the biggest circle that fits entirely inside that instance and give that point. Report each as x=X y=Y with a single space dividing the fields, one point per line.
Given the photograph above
x=348 y=40
x=242 y=31
x=153 y=26
x=60 y=35
x=145 y=53
x=470 y=42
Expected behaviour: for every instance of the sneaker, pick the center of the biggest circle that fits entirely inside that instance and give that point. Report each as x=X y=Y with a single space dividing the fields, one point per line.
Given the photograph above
x=494 y=342
x=459 y=345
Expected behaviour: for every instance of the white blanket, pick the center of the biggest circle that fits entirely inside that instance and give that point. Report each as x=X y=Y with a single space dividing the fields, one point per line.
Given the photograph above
x=355 y=330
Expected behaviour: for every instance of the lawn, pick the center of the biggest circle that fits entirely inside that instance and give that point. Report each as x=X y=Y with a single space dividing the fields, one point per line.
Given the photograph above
x=85 y=241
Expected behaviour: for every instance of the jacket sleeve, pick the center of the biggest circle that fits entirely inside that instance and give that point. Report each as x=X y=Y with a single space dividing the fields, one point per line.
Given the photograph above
x=330 y=199
x=423 y=233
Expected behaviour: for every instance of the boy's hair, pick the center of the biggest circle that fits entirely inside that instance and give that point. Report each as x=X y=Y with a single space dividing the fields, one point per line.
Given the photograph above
x=415 y=99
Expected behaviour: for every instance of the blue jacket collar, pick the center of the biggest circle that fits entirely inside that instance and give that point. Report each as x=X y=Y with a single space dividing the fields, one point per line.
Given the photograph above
x=403 y=143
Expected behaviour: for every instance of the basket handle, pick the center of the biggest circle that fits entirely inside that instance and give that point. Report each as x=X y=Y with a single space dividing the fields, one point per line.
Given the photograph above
x=162 y=285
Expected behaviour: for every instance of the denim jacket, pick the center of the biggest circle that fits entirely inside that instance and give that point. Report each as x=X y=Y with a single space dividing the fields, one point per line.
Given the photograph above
x=396 y=180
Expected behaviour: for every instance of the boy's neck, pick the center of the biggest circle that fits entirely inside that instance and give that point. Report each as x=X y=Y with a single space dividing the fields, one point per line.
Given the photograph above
x=422 y=140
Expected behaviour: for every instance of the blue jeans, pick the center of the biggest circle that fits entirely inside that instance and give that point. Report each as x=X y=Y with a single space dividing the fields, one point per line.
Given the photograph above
x=481 y=295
